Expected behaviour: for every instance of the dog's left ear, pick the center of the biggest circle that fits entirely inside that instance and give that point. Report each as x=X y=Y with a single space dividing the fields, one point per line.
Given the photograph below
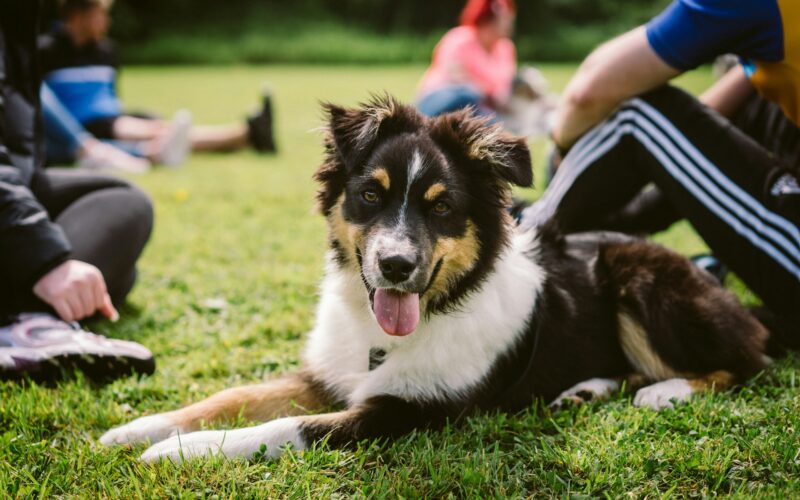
x=355 y=131
x=506 y=155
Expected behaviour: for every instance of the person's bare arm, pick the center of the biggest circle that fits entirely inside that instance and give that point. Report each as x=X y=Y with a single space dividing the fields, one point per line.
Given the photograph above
x=616 y=71
x=729 y=93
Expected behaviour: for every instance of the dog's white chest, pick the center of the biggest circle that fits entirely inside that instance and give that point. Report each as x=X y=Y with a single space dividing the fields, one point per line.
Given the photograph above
x=445 y=357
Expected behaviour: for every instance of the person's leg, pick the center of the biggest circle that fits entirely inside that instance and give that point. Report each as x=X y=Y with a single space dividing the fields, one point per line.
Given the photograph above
x=647 y=213
x=155 y=138
x=724 y=182
x=133 y=128
x=595 y=180
x=227 y=137
x=766 y=124
x=448 y=99
x=163 y=142
x=257 y=131
x=107 y=221
x=230 y=137
x=760 y=119
x=133 y=148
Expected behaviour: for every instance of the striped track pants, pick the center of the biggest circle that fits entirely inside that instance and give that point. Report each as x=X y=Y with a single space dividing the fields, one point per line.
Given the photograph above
x=742 y=200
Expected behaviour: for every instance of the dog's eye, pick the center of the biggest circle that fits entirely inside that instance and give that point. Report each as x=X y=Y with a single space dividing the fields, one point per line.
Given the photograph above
x=441 y=208
x=370 y=196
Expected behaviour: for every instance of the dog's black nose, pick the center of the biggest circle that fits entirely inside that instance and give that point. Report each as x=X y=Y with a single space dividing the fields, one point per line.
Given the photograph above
x=396 y=268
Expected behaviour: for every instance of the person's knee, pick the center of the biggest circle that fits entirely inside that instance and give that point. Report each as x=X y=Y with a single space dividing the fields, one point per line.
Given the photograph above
x=132 y=211
x=135 y=227
x=666 y=95
x=140 y=207
x=672 y=102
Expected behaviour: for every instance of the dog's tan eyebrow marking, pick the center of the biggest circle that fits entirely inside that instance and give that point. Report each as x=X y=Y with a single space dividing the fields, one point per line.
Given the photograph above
x=382 y=176
x=435 y=190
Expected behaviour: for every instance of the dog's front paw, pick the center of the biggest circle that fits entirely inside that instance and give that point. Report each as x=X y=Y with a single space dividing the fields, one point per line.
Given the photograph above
x=663 y=394
x=265 y=440
x=584 y=392
x=152 y=428
x=186 y=446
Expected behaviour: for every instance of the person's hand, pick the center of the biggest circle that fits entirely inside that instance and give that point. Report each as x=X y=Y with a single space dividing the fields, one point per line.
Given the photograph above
x=76 y=290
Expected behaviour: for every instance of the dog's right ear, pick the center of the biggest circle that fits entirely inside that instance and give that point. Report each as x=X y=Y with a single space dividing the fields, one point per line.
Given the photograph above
x=355 y=131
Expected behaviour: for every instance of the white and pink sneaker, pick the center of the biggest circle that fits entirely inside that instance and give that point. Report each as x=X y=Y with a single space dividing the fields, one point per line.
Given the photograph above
x=45 y=349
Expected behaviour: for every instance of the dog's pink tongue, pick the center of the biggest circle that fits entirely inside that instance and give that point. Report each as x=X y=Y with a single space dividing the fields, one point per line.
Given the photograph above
x=397 y=313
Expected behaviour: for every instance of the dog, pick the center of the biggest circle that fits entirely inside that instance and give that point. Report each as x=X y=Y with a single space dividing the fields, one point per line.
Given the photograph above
x=434 y=306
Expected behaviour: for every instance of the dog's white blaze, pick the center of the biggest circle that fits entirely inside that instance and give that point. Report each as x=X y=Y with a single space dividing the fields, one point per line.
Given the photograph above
x=446 y=356
x=231 y=443
x=415 y=168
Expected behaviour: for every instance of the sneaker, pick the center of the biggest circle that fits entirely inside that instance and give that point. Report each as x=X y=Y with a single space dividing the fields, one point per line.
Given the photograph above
x=259 y=125
x=105 y=157
x=711 y=265
x=45 y=349
x=176 y=145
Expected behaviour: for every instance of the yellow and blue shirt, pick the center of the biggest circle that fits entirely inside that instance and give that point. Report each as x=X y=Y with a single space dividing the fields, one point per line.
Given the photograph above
x=765 y=34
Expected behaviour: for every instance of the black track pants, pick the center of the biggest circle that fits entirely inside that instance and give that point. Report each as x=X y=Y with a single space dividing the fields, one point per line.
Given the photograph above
x=665 y=156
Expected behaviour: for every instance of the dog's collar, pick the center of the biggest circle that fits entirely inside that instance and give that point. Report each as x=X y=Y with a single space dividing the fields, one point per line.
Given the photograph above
x=376 y=357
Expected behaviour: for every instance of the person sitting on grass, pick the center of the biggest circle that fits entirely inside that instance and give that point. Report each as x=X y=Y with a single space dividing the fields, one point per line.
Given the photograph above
x=639 y=154
x=69 y=241
x=80 y=66
x=475 y=64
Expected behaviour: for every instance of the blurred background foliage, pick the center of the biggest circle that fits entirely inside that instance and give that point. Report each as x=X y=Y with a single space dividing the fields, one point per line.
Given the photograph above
x=351 y=31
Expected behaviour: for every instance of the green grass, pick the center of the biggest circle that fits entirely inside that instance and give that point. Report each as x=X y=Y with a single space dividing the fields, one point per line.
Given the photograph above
x=293 y=41
x=306 y=43
x=240 y=227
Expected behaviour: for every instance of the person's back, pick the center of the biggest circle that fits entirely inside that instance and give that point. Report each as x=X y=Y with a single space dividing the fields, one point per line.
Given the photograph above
x=79 y=63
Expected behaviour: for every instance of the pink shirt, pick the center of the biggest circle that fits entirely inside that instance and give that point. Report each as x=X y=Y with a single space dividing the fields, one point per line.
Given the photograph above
x=460 y=59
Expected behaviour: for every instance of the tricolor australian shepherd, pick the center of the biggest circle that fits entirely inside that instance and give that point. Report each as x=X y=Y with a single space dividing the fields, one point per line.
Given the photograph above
x=434 y=306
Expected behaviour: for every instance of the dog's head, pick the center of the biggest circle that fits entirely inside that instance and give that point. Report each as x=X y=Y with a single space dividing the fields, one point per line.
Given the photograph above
x=417 y=206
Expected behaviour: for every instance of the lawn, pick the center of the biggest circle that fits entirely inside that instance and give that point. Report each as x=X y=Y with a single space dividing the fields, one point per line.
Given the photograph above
x=227 y=291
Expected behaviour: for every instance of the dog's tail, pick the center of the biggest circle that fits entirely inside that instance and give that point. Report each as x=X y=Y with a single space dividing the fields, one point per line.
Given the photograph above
x=784 y=335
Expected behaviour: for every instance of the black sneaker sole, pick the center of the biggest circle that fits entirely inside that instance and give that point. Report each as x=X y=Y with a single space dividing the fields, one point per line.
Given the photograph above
x=97 y=369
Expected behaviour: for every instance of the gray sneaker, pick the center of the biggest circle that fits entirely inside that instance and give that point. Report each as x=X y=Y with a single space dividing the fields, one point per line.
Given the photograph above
x=45 y=349
x=177 y=145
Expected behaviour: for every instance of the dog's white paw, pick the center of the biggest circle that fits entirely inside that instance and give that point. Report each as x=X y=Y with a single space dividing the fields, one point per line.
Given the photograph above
x=663 y=394
x=186 y=446
x=271 y=437
x=583 y=392
x=152 y=428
